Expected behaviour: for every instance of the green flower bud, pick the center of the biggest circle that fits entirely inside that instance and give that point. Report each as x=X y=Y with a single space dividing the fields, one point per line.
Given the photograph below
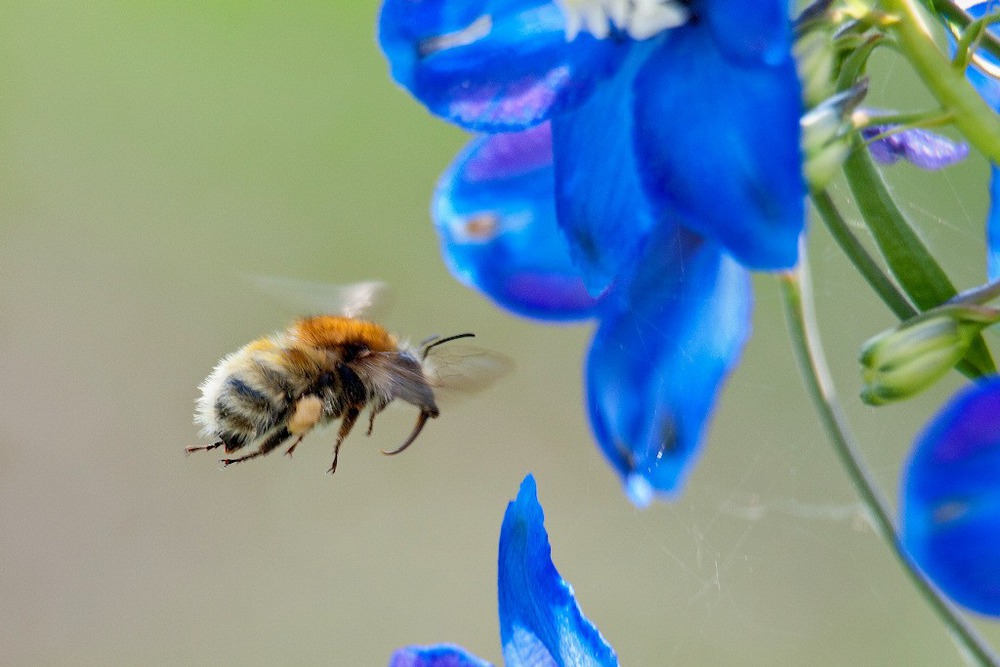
x=904 y=361
x=814 y=57
x=826 y=140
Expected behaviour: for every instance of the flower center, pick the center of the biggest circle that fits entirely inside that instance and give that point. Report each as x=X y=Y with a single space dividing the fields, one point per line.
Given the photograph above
x=640 y=19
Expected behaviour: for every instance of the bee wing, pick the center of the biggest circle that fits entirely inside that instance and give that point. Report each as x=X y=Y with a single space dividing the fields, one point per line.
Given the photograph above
x=464 y=369
x=366 y=299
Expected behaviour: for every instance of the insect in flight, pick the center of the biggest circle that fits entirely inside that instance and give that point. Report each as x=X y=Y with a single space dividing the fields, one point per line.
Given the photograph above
x=328 y=367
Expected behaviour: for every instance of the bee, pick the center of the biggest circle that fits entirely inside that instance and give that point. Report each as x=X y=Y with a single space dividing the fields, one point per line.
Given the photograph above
x=328 y=367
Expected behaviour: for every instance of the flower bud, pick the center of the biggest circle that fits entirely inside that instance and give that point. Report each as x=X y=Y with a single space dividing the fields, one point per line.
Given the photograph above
x=826 y=139
x=814 y=58
x=904 y=361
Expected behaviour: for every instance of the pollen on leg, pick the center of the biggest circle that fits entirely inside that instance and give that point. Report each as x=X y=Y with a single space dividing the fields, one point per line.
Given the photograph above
x=308 y=410
x=640 y=19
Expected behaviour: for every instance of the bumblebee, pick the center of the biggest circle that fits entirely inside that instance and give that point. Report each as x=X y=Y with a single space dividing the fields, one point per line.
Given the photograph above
x=324 y=368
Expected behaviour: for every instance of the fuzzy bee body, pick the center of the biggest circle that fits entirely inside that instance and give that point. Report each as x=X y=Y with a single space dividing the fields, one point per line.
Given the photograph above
x=320 y=369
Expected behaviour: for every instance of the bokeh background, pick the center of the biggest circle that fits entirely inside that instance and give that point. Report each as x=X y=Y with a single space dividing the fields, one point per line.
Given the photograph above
x=151 y=155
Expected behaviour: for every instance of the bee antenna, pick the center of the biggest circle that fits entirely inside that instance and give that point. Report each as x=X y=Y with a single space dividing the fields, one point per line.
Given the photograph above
x=435 y=343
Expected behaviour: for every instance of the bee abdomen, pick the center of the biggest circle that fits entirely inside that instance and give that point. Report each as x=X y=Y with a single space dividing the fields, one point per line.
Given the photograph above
x=249 y=408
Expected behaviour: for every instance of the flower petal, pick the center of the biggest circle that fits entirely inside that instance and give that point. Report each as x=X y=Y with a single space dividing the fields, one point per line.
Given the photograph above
x=439 y=655
x=985 y=69
x=951 y=499
x=993 y=227
x=494 y=209
x=762 y=35
x=719 y=142
x=600 y=202
x=919 y=147
x=492 y=65
x=540 y=621
x=667 y=341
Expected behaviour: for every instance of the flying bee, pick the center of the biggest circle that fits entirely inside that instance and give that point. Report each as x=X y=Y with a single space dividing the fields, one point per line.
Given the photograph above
x=327 y=367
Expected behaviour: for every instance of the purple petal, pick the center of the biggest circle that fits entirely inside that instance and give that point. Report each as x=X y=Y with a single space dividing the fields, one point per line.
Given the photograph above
x=669 y=337
x=951 y=499
x=439 y=655
x=540 y=621
x=492 y=65
x=495 y=214
x=919 y=147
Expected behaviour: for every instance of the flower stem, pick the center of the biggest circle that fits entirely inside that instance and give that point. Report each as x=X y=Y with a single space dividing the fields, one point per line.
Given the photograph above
x=860 y=257
x=909 y=260
x=816 y=376
x=957 y=17
x=973 y=116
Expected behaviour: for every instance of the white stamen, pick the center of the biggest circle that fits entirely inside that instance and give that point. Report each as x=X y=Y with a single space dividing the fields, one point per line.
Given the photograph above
x=640 y=19
x=470 y=34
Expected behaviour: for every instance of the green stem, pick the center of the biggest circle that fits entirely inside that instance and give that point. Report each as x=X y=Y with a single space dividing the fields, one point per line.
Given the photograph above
x=812 y=364
x=973 y=115
x=859 y=256
x=957 y=16
x=903 y=121
x=971 y=39
x=979 y=295
x=909 y=260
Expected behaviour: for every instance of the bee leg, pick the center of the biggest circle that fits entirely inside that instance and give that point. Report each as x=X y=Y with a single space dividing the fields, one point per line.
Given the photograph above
x=376 y=408
x=294 y=445
x=203 y=448
x=421 y=420
x=346 y=424
x=273 y=441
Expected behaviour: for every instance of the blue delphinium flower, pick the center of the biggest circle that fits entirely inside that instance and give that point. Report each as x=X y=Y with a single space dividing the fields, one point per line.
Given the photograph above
x=671 y=328
x=540 y=621
x=983 y=74
x=631 y=172
x=950 y=523
x=703 y=116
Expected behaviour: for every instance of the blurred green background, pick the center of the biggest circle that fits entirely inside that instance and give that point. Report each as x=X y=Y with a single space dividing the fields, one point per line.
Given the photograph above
x=151 y=154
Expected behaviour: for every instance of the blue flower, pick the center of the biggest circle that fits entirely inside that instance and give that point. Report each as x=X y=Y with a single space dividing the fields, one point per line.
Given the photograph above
x=670 y=329
x=540 y=621
x=702 y=119
x=621 y=178
x=983 y=74
x=950 y=501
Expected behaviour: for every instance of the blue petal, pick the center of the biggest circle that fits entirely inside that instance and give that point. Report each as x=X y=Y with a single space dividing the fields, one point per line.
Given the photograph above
x=495 y=214
x=540 y=621
x=599 y=198
x=993 y=226
x=762 y=34
x=719 y=142
x=668 y=339
x=439 y=655
x=492 y=65
x=921 y=148
x=986 y=83
x=951 y=499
